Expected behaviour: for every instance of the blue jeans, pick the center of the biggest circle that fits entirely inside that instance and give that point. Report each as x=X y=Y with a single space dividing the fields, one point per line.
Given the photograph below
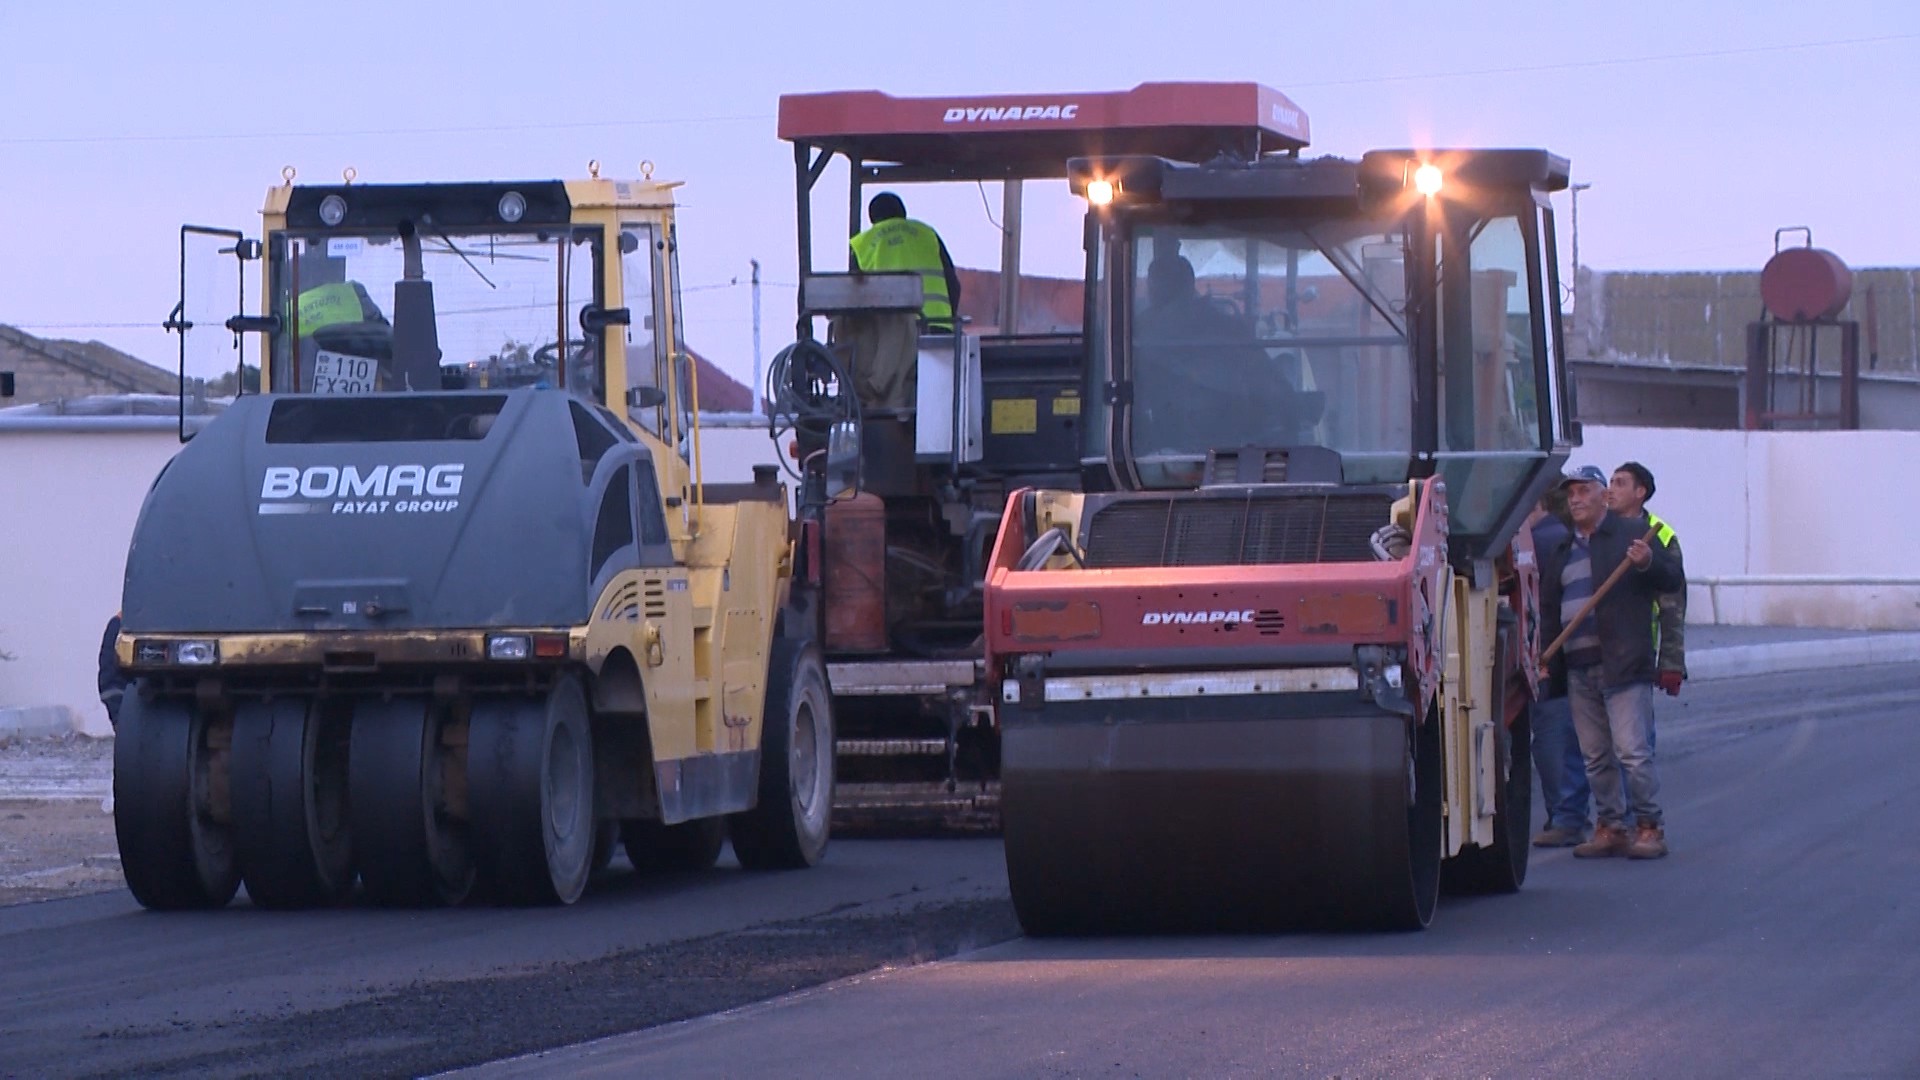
x=1559 y=765
x=1615 y=726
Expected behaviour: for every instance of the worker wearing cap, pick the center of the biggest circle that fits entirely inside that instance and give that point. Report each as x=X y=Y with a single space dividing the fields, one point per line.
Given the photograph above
x=1557 y=761
x=1608 y=659
x=896 y=242
x=1627 y=494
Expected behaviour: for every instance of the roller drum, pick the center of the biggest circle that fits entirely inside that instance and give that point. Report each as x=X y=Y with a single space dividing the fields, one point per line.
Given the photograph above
x=1216 y=815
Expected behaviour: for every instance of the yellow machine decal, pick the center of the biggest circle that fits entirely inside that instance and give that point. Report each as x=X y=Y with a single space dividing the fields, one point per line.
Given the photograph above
x=1016 y=416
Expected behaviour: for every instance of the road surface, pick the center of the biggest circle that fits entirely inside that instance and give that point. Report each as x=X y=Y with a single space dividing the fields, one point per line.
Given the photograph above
x=1781 y=938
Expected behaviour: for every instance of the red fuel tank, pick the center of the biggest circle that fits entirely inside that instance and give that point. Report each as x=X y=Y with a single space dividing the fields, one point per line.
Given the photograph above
x=855 y=604
x=1804 y=284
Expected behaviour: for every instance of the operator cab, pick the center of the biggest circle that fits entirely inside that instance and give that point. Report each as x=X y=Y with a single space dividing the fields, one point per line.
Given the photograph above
x=1336 y=321
x=429 y=289
x=997 y=401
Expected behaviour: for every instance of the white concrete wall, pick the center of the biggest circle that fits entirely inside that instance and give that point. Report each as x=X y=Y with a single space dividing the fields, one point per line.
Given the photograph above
x=68 y=500
x=1759 y=505
x=1826 y=503
x=728 y=455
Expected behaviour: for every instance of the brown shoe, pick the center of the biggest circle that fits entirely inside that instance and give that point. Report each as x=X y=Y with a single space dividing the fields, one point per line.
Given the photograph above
x=1608 y=841
x=1556 y=836
x=1649 y=842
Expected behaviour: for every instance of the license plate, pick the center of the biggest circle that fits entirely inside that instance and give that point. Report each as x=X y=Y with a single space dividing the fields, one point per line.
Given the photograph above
x=340 y=373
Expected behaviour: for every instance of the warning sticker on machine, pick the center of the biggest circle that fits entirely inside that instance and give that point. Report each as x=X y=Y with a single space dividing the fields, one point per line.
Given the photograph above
x=1066 y=405
x=1016 y=416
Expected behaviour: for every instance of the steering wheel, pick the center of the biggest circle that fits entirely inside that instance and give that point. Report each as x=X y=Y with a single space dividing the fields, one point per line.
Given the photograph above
x=580 y=357
x=579 y=351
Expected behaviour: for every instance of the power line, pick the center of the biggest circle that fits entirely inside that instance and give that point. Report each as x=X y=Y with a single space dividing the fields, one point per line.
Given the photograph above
x=483 y=129
x=478 y=129
x=1569 y=65
x=148 y=325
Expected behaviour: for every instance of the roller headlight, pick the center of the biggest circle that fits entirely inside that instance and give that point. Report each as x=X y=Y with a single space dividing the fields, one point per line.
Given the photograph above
x=1427 y=179
x=333 y=210
x=509 y=647
x=1100 y=192
x=513 y=206
x=196 y=653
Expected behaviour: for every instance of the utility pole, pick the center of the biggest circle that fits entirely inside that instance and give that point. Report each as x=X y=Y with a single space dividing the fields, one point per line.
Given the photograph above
x=756 y=338
x=1576 y=189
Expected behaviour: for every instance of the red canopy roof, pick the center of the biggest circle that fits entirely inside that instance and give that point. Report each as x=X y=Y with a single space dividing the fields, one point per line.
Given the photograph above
x=1035 y=134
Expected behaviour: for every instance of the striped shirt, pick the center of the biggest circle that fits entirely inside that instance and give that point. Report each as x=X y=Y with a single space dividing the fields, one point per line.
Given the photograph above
x=1576 y=588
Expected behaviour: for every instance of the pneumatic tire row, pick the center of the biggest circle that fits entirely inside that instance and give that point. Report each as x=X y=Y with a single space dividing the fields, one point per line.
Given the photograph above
x=298 y=796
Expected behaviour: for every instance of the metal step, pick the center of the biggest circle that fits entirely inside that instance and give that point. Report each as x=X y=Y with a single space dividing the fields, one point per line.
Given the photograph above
x=919 y=678
x=891 y=747
x=916 y=809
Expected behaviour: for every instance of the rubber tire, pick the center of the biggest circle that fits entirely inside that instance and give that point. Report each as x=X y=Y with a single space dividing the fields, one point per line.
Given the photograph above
x=788 y=828
x=174 y=855
x=412 y=851
x=289 y=785
x=690 y=845
x=530 y=786
x=1502 y=867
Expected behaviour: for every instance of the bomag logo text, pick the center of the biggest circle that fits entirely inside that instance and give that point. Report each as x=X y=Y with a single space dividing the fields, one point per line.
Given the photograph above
x=1194 y=618
x=992 y=114
x=345 y=489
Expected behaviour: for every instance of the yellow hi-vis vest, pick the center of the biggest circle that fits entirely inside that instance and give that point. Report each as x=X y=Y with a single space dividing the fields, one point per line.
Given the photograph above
x=326 y=305
x=905 y=244
x=1662 y=532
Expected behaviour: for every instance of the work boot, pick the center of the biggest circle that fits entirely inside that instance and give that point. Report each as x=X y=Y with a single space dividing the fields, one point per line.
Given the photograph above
x=1608 y=841
x=1649 y=842
x=1555 y=836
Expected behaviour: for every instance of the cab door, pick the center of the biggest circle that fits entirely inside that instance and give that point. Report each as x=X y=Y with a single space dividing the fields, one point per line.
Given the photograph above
x=213 y=298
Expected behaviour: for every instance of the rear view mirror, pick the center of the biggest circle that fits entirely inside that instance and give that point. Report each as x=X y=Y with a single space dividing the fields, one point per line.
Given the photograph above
x=843 y=459
x=646 y=397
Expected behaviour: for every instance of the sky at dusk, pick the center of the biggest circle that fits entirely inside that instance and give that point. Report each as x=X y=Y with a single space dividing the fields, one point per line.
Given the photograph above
x=1703 y=126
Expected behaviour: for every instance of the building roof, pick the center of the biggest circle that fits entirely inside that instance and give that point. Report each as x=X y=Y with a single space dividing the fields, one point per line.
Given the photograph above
x=96 y=360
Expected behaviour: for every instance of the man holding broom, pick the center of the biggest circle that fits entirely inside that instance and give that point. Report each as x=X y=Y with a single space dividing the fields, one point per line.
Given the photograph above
x=1598 y=587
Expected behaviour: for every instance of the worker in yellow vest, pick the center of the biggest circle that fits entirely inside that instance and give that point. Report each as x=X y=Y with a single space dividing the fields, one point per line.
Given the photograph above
x=360 y=335
x=341 y=302
x=895 y=241
x=1627 y=493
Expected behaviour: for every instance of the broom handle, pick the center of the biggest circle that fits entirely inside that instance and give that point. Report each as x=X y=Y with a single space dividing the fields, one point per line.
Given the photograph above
x=1586 y=610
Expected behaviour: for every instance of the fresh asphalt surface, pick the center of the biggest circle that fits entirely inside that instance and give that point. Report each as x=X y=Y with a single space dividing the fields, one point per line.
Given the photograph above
x=1782 y=938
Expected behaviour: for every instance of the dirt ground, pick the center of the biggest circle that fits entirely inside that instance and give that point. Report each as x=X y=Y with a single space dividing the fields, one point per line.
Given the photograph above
x=56 y=823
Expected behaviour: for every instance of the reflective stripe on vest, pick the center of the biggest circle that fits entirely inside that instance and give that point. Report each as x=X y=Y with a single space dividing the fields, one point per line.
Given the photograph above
x=327 y=305
x=905 y=244
x=1661 y=530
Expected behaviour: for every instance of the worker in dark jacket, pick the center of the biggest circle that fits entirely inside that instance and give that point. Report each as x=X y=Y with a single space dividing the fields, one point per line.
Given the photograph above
x=1557 y=761
x=113 y=681
x=1609 y=660
x=1627 y=494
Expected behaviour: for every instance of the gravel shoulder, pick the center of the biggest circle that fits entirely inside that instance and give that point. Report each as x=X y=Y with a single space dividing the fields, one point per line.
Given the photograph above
x=56 y=821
